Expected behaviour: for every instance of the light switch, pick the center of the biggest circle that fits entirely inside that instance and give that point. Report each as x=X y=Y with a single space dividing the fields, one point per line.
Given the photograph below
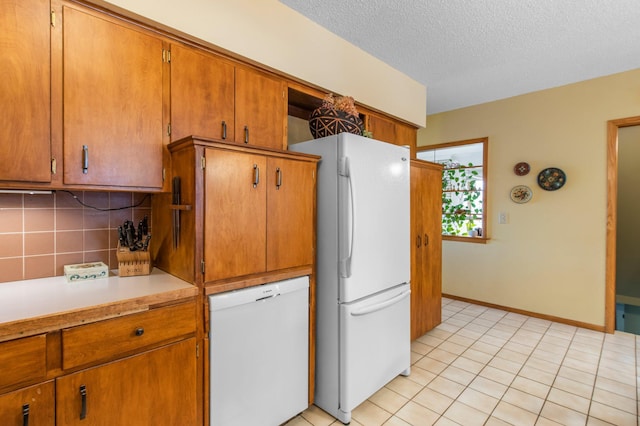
x=503 y=218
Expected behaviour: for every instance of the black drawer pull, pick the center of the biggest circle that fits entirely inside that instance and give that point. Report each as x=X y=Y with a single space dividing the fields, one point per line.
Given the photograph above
x=85 y=159
x=83 y=395
x=139 y=331
x=256 y=175
x=224 y=130
x=25 y=415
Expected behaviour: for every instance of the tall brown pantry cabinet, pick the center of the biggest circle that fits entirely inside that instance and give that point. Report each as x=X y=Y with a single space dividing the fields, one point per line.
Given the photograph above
x=426 y=246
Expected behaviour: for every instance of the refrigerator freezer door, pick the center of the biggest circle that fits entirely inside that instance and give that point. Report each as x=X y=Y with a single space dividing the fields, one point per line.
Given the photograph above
x=373 y=217
x=374 y=346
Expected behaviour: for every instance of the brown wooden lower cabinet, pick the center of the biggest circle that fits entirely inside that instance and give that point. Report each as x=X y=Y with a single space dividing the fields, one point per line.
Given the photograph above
x=153 y=388
x=137 y=369
x=33 y=405
x=426 y=246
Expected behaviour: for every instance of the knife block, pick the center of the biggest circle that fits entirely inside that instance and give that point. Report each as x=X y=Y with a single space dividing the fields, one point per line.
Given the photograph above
x=133 y=263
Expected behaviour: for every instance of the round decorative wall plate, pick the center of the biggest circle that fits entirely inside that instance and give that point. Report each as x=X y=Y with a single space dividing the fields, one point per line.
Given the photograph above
x=551 y=179
x=521 y=169
x=521 y=194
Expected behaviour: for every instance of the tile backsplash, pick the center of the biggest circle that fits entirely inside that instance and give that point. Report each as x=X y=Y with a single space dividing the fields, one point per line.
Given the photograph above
x=41 y=233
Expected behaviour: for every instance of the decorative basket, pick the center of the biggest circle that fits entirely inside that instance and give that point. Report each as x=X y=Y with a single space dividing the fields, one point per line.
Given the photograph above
x=326 y=122
x=133 y=263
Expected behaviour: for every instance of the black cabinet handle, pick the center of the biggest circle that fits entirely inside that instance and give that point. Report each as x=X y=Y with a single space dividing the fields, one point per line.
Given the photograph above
x=85 y=159
x=418 y=241
x=139 y=331
x=25 y=415
x=224 y=130
x=426 y=240
x=256 y=175
x=246 y=134
x=278 y=178
x=83 y=396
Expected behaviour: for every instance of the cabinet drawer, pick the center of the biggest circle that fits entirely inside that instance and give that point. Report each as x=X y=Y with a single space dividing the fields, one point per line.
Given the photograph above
x=23 y=360
x=108 y=339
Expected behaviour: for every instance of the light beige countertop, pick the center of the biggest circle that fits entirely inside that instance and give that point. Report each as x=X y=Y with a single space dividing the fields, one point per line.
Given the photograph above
x=34 y=306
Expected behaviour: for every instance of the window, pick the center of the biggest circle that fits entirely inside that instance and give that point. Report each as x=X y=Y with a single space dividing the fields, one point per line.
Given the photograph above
x=464 y=187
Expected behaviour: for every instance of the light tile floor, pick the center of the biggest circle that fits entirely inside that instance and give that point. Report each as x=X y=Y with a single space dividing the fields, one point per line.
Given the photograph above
x=485 y=366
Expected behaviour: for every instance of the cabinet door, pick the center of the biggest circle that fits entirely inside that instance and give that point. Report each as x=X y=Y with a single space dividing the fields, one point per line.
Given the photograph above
x=235 y=220
x=33 y=405
x=426 y=249
x=431 y=179
x=290 y=207
x=202 y=98
x=25 y=151
x=112 y=77
x=383 y=129
x=153 y=388
x=260 y=109
x=407 y=135
x=418 y=296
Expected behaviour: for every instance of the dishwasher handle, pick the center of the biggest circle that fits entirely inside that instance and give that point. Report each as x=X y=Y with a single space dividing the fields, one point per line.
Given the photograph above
x=267 y=297
x=382 y=305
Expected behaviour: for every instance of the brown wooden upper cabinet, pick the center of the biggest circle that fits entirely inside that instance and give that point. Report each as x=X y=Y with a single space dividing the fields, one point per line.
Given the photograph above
x=250 y=211
x=258 y=213
x=261 y=109
x=25 y=91
x=202 y=94
x=407 y=135
x=112 y=94
x=382 y=128
x=388 y=130
x=215 y=98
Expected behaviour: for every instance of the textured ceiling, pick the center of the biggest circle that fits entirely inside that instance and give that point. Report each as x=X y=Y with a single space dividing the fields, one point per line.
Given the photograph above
x=468 y=52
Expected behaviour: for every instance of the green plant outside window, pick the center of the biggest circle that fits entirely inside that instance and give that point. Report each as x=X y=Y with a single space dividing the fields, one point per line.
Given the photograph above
x=461 y=200
x=463 y=186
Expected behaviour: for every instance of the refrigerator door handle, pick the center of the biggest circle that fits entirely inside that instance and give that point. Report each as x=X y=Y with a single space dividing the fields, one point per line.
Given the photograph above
x=345 y=264
x=382 y=305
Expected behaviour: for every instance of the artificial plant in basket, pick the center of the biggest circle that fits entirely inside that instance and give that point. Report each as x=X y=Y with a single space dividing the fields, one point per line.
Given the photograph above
x=335 y=115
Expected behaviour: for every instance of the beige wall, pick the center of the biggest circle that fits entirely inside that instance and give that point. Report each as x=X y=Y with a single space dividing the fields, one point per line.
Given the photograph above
x=270 y=33
x=550 y=256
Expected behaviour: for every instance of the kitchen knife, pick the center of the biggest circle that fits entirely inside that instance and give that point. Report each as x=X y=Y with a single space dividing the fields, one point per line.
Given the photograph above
x=131 y=235
x=176 y=212
x=145 y=225
x=122 y=237
x=145 y=244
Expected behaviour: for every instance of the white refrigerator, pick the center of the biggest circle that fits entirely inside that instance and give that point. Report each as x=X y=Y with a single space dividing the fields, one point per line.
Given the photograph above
x=363 y=269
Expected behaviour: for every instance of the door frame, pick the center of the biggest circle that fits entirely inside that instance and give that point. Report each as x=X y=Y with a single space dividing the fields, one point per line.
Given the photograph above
x=612 y=217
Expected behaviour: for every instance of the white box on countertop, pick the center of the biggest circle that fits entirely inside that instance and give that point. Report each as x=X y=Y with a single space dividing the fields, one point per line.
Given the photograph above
x=86 y=271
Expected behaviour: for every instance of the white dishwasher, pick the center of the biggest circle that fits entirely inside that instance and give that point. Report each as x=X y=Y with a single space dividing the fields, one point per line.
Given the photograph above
x=259 y=353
